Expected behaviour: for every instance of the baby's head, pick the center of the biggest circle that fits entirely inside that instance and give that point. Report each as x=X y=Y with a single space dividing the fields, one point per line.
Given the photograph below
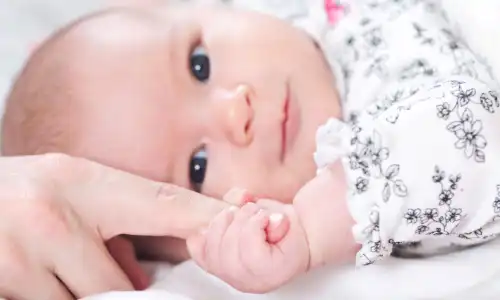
x=204 y=98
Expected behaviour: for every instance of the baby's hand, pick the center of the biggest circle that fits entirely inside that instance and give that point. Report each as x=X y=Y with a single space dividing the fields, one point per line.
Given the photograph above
x=278 y=226
x=236 y=247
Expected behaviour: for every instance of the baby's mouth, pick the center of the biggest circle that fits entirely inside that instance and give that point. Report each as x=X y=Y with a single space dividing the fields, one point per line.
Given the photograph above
x=284 y=123
x=290 y=124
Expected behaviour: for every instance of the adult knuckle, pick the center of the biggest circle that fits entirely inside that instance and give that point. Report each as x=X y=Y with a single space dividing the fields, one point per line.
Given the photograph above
x=173 y=196
x=59 y=165
x=36 y=196
x=44 y=215
x=27 y=195
x=7 y=262
x=12 y=264
x=167 y=191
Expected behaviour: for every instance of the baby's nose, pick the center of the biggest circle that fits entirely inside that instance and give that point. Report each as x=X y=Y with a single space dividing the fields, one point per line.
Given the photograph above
x=237 y=116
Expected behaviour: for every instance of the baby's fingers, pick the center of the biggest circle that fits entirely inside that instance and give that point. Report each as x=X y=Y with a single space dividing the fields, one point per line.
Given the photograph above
x=196 y=246
x=205 y=247
x=215 y=234
x=256 y=251
x=279 y=224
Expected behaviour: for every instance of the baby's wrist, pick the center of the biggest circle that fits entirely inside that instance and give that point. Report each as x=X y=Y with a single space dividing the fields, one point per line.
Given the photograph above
x=329 y=245
x=321 y=207
x=318 y=253
x=315 y=254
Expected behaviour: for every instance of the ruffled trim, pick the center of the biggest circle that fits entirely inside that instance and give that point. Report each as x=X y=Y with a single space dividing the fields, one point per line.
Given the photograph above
x=332 y=143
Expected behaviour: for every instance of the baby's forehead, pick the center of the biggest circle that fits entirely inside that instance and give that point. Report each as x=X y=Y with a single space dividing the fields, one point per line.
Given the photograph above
x=114 y=25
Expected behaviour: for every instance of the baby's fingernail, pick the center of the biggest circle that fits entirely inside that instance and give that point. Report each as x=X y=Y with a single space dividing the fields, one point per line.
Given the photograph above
x=275 y=219
x=247 y=197
x=203 y=231
x=232 y=209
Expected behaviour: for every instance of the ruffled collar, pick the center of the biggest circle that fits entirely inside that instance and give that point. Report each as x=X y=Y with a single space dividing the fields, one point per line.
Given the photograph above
x=332 y=142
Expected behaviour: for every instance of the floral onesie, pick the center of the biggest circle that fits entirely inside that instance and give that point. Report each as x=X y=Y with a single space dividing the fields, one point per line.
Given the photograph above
x=421 y=138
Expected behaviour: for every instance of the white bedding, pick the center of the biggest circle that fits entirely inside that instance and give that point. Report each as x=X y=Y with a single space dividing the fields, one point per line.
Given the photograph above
x=470 y=274
x=465 y=275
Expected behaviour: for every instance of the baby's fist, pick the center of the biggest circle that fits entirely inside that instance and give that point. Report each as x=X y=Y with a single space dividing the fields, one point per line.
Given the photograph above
x=236 y=249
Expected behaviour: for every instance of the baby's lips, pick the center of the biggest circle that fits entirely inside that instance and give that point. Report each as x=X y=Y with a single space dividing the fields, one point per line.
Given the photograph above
x=238 y=197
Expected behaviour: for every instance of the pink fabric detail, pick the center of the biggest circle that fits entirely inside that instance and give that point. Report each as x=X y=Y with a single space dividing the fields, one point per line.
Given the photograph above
x=334 y=10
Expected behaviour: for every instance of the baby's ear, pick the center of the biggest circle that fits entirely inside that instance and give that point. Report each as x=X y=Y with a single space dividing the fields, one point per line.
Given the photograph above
x=238 y=197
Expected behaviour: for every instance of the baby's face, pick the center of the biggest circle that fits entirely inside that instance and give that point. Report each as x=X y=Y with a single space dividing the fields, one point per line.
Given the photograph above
x=208 y=99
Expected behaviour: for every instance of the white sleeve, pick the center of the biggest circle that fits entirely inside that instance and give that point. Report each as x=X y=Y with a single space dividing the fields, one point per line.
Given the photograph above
x=426 y=169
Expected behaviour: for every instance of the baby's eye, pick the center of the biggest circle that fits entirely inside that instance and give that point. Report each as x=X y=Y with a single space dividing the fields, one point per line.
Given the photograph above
x=199 y=63
x=198 y=168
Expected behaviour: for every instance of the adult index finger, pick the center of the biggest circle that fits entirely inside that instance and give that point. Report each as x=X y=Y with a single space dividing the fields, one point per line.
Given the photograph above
x=116 y=202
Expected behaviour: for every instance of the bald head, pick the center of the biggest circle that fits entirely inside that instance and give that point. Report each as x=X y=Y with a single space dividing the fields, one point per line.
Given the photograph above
x=46 y=108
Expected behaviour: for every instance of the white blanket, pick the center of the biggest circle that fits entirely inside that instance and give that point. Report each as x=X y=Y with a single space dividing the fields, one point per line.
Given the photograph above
x=471 y=274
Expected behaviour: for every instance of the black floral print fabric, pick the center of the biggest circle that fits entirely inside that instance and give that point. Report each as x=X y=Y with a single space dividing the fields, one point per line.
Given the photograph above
x=423 y=147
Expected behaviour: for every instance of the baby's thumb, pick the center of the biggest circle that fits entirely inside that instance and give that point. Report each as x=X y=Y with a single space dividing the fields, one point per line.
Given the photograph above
x=277 y=228
x=279 y=224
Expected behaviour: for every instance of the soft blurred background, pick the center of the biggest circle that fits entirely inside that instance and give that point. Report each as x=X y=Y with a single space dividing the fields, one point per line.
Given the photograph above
x=24 y=23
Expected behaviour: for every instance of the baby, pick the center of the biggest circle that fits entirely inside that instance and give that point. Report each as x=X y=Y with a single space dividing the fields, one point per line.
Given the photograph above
x=383 y=158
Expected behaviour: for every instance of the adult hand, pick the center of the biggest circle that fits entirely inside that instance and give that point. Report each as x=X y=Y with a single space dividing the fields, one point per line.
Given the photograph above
x=57 y=212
